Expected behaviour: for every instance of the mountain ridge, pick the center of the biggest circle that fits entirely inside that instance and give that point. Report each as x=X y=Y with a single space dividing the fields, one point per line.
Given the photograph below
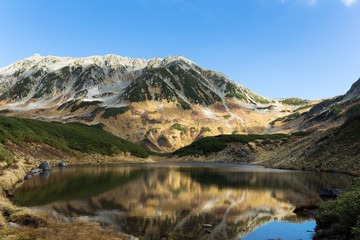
x=156 y=93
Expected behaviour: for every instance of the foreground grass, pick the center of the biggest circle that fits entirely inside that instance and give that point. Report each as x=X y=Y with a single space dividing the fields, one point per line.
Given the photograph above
x=62 y=231
x=66 y=137
x=340 y=217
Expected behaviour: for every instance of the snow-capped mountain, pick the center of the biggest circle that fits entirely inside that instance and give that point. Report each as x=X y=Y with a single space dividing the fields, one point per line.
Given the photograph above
x=40 y=81
x=152 y=96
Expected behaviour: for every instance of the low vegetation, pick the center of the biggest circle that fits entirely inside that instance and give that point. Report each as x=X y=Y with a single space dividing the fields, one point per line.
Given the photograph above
x=340 y=217
x=294 y=101
x=60 y=231
x=205 y=129
x=286 y=118
x=265 y=108
x=179 y=127
x=208 y=145
x=75 y=105
x=66 y=137
x=113 y=112
x=304 y=107
x=333 y=112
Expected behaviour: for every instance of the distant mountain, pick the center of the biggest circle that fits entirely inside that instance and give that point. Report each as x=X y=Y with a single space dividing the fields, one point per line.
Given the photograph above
x=113 y=79
x=164 y=103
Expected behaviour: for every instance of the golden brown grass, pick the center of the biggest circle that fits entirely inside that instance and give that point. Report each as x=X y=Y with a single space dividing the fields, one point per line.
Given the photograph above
x=62 y=231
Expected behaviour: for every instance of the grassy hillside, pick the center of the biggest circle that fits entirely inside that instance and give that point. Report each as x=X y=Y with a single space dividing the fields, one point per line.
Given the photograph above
x=65 y=137
x=208 y=145
x=341 y=148
x=334 y=148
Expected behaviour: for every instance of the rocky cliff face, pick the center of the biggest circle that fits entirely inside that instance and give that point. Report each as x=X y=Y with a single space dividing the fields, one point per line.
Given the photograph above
x=162 y=103
x=354 y=90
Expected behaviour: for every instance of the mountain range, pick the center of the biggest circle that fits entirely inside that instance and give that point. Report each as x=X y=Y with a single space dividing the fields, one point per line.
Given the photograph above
x=162 y=104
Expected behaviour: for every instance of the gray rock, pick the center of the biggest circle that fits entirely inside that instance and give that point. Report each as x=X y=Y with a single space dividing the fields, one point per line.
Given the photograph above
x=36 y=171
x=45 y=166
x=63 y=164
x=330 y=193
x=27 y=177
x=11 y=224
x=133 y=238
x=205 y=225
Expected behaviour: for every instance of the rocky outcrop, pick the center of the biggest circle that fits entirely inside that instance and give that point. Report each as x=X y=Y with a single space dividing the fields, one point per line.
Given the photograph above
x=45 y=166
x=62 y=164
x=354 y=90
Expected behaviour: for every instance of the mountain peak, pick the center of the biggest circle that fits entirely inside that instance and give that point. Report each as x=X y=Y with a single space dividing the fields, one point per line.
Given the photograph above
x=354 y=90
x=111 y=79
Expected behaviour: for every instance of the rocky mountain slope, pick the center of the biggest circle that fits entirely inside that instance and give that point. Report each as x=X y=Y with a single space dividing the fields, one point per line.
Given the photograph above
x=163 y=104
x=323 y=115
x=323 y=136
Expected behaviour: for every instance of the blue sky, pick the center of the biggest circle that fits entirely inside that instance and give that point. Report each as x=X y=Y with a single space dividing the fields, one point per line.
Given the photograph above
x=277 y=48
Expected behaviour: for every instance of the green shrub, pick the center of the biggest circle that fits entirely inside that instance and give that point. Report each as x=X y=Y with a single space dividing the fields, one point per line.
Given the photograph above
x=4 y=111
x=205 y=129
x=287 y=118
x=5 y=156
x=203 y=146
x=163 y=138
x=342 y=216
x=300 y=134
x=76 y=107
x=333 y=112
x=208 y=145
x=178 y=127
x=265 y=108
x=294 y=101
x=183 y=104
x=113 y=112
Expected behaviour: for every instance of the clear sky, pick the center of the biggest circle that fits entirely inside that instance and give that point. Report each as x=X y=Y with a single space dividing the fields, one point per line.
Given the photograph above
x=277 y=48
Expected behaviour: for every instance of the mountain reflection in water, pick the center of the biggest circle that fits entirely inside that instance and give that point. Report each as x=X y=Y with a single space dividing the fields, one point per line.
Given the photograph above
x=164 y=201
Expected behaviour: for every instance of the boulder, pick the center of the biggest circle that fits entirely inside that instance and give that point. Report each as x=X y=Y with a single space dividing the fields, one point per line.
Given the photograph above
x=11 y=224
x=133 y=238
x=36 y=171
x=45 y=166
x=330 y=193
x=62 y=164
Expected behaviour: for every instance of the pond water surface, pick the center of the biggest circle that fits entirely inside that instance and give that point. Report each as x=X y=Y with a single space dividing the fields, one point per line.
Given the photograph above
x=172 y=201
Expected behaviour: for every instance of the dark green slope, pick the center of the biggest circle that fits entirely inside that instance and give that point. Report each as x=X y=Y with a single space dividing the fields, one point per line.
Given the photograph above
x=65 y=137
x=208 y=145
